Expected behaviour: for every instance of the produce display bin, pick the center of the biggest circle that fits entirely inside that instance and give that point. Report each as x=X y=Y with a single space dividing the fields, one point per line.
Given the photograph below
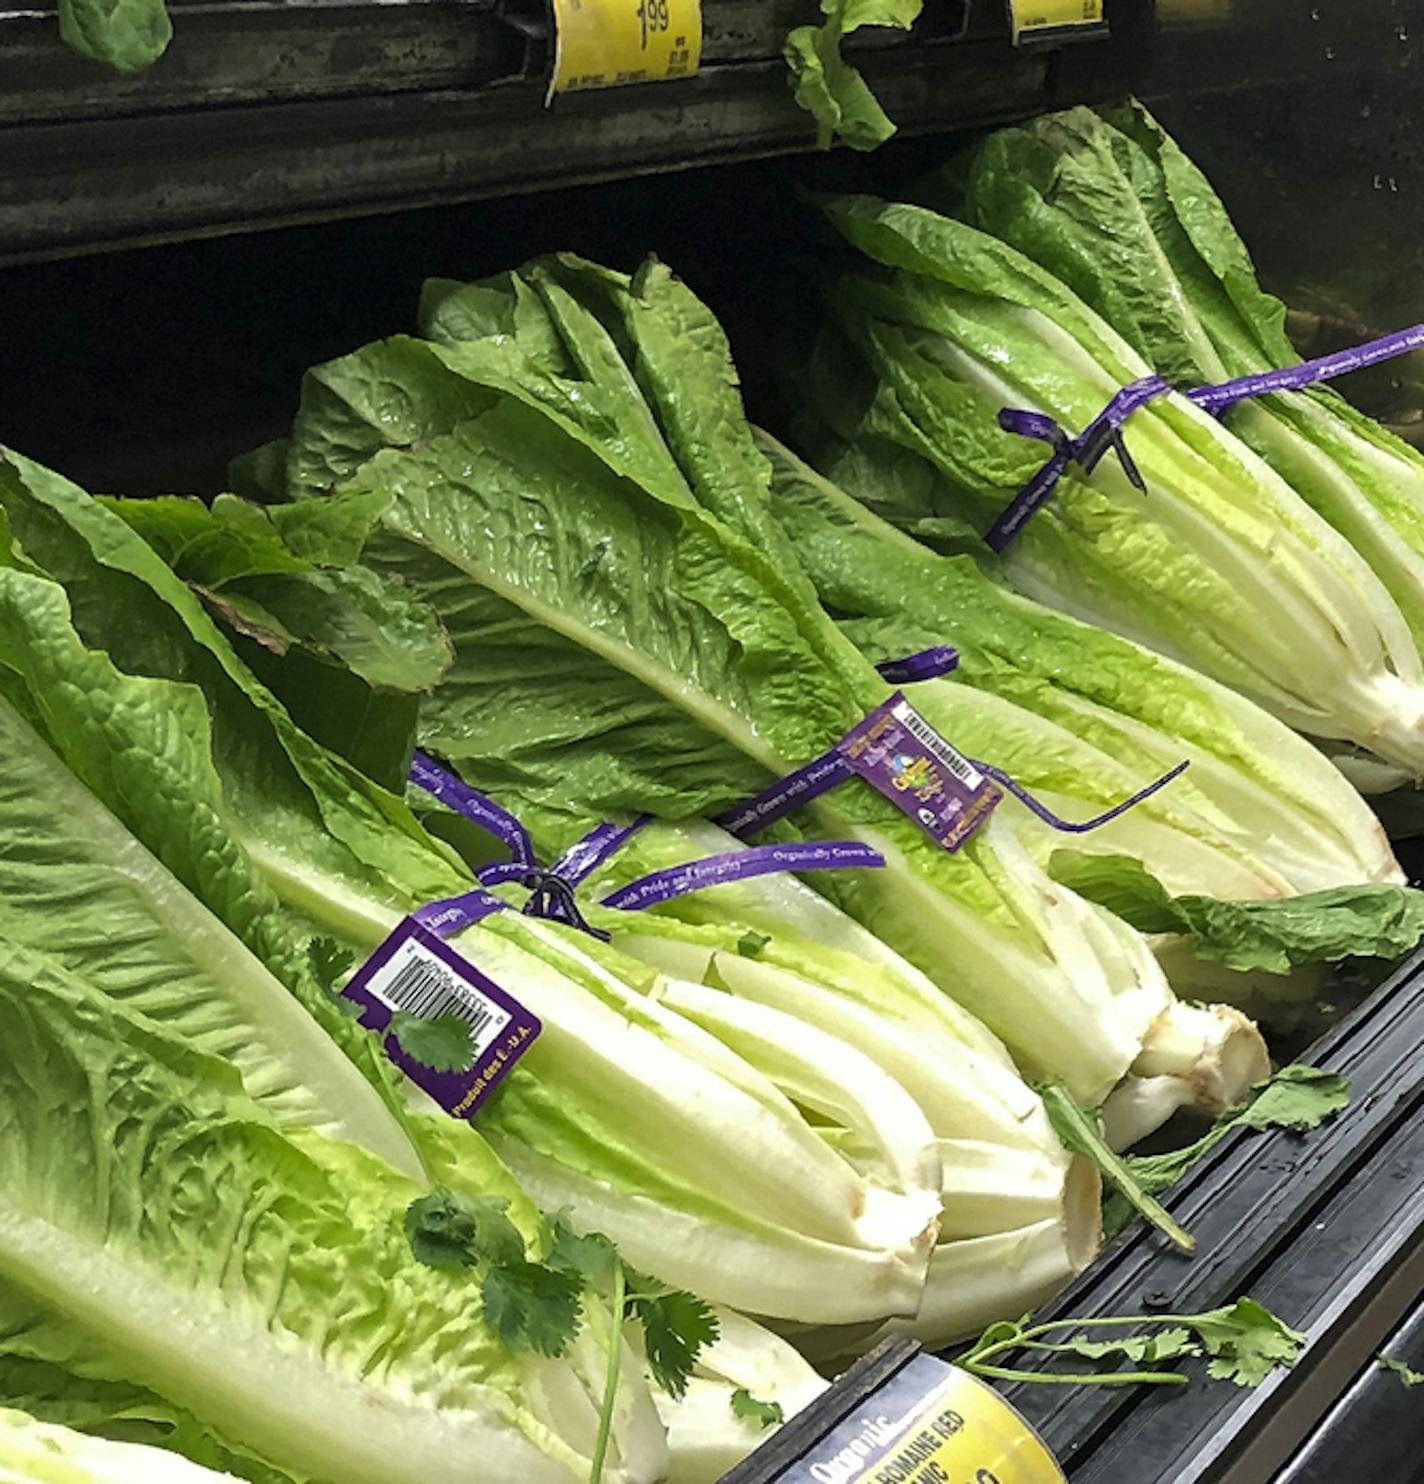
x=177 y=247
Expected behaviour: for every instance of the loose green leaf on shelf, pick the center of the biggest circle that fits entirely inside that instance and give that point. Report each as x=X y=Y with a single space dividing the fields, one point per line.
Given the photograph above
x=1297 y=1098
x=1167 y=1344
x=1244 y=1341
x=828 y=87
x=1077 y=1128
x=127 y=35
x=1407 y=1374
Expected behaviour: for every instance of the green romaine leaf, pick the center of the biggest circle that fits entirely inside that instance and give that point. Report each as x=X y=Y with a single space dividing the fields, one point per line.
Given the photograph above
x=127 y=35
x=278 y=1268
x=832 y=91
x=1374 y=921
x=33 y=1452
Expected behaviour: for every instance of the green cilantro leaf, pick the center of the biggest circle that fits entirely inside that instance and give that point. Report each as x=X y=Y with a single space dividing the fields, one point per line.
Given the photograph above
x=1247 y=1342
x=590 y=1257
x=1164 y=1344
x=532 y=1307
x=443 y=1044
x=764 y=1414
x=1407 y=1374
x=441 y=1230
x=676 y=1326
x=750 y=945
x=451 y=1230
x=497 y=1239
x=329 y=960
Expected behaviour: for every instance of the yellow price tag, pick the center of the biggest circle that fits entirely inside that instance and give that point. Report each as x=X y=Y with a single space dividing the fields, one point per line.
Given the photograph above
x=931 y=1424
x=1029 y=17
x=611 y=43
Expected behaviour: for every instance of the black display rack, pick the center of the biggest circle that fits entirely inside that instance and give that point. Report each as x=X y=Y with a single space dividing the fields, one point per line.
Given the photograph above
x=275 y=112
x=1324 y=1228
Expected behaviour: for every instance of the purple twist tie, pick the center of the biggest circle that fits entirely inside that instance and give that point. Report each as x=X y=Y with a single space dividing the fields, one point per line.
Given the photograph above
x=1105 y=431
x=1068 y=826
x=1086 y=450
x=455 y=793
x=455 y=914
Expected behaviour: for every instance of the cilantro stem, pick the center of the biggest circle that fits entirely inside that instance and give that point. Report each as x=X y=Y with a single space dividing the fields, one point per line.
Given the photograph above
x=1028 y=1339
x=1078 y=1131
x=610 y=1380
x=1096 y=1378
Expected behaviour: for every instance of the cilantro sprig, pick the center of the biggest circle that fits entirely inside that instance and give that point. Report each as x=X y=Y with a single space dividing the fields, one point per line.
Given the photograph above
x=539 y=1305
x=1244 y=1342
x=1297 y=1098
x=1408 y=1376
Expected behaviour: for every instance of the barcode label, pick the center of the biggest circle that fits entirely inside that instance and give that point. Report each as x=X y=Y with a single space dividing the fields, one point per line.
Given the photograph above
x=415 y=981
x=414 y=972
x=901 y=755
x=936 y=746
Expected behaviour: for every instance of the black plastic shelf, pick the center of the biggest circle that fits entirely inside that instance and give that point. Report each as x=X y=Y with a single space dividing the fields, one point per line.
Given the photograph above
x=265 y=113
x=1325 y=1228
x=1378 y=1422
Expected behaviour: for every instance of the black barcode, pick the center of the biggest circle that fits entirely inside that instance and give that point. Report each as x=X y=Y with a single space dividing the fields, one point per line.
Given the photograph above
x=937 y=747
x=426 y=988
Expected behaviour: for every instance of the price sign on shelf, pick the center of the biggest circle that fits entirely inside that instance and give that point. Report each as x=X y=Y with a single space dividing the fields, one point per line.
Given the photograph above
x=1044 y=20
x=612 y=43
x=929 y=1423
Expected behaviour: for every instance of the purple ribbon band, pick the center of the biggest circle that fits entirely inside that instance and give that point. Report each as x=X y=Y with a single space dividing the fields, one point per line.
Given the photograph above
x=552 y=890
x=1105 y=430
x=928 y=664
x=739 y=865
x=1082 y=827
x=459 y=796
x=831 y=768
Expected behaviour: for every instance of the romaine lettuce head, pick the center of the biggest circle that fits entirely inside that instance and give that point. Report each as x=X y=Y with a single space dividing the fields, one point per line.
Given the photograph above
x=569 y=460
x=1179 y=284
x=1220 y=563
x=157 y=1228
x=34 y=1452
x=153 y=712
x=1084 y=719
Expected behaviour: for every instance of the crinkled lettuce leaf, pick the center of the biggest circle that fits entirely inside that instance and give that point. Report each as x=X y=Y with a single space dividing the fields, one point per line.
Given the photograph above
x=1367 y=921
